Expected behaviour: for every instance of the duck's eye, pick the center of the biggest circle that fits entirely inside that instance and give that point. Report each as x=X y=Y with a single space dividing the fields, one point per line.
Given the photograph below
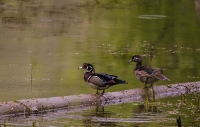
x=135 y=58
x=84 y=65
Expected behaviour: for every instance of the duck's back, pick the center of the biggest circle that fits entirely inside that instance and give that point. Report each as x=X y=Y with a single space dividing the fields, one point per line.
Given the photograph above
x=155 y=72
x=148 y=74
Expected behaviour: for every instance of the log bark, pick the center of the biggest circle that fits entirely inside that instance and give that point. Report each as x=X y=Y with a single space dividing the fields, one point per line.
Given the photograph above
x=27 y=106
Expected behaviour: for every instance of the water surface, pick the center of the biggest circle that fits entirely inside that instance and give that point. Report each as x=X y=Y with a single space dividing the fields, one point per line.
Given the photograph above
x=42 y=44
x=163 y=112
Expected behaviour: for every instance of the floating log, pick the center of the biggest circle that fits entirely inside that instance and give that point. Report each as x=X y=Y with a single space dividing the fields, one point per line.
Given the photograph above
x=27 y=106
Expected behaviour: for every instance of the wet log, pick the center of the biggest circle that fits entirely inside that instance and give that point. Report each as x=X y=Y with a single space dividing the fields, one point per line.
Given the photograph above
x=27 y=106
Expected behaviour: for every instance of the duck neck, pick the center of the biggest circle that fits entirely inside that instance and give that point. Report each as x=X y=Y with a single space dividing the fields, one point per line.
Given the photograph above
x=87 y=75
x=138 y=65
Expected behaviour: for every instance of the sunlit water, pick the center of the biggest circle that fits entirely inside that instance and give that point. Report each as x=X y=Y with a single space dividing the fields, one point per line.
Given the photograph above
x=42 y=44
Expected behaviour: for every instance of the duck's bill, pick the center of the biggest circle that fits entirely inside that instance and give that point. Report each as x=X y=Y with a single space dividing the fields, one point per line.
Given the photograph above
x=130 y=61
x=80 y=68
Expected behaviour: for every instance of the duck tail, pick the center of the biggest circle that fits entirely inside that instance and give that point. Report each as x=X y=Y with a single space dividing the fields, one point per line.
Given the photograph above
x=162 y=77
x=115 y=81
x=165 y=78
x=159 y=75
x=118 y=81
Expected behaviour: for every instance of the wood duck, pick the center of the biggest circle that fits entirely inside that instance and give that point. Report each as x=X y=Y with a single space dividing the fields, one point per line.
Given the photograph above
x=146 y=74
x=99 y=81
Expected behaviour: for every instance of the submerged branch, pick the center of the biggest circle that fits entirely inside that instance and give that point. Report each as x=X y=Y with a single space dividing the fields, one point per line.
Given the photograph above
x=27 y=106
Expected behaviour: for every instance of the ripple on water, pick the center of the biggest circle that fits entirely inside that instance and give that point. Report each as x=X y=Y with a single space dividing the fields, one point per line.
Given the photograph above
x=151 y=16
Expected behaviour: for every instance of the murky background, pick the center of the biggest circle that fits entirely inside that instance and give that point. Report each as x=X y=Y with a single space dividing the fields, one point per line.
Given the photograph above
x=42 y=44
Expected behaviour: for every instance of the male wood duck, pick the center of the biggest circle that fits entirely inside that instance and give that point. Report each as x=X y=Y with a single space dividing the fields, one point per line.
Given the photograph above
x=146 y=74
x=99 y=81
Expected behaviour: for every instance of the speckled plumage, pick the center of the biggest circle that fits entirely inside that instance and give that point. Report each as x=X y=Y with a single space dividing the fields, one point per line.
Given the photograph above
x=146 y=74
x=99 y=81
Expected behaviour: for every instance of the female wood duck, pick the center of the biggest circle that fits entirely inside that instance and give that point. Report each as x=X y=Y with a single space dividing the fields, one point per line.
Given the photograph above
x=146 y=74
x=99 y=81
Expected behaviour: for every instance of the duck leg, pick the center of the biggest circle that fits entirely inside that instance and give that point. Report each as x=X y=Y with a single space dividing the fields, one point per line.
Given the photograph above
x=151 y=85
x=153 y=93
x=103 y=92
x=146 y=96
x=145 y=85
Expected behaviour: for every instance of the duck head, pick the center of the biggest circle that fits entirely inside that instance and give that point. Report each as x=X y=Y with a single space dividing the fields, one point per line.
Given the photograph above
x=136 y=58
x=89 y=67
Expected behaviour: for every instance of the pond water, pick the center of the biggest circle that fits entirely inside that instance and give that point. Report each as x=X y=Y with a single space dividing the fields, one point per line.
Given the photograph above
x=162 y=113
x=42 y=44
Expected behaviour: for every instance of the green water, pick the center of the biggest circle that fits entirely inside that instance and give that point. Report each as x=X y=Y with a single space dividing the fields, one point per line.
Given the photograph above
x=42 y=43
x=162 y=113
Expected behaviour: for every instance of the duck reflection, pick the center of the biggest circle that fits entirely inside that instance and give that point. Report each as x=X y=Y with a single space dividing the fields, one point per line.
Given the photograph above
x=149 y=95
x=98 y=117
x=143 y=108
x=145 y=113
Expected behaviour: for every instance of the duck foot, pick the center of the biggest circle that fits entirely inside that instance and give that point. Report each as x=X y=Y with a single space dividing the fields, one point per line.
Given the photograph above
x=97 y=93
x=147 y=87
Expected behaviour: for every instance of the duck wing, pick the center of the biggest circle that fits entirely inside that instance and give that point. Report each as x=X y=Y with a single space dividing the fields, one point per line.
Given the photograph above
x=105 y=77
x=158 y=73
x=148 y=69
x=142 y=75
x=102 y=79
x=146 y=72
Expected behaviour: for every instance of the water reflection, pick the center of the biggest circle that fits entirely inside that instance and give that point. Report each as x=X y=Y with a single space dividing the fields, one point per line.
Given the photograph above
x=159 y=113
x=142 y=114
x=98 y=117
x=143 y=108
x=151 y=16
